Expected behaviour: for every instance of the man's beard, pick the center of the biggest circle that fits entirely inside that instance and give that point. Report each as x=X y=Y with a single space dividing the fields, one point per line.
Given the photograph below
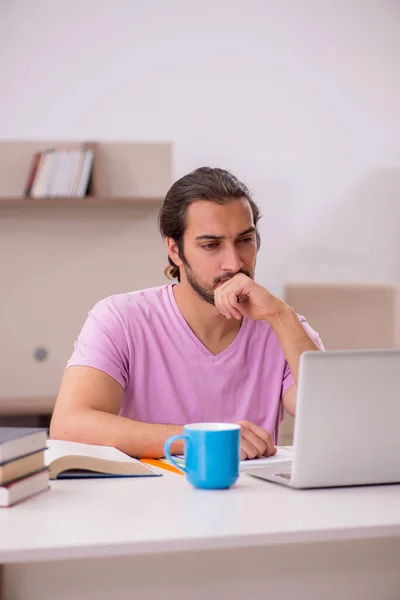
x=205 y=291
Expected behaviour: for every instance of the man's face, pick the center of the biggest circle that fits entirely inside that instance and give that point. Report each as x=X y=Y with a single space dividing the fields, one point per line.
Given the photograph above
x=219 y=242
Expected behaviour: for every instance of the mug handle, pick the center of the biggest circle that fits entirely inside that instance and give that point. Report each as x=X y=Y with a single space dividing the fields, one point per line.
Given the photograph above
x=167 y=446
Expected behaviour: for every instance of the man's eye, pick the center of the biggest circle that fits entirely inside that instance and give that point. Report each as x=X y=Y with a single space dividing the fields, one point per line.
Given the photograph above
x=247 y=240
x=210 y=246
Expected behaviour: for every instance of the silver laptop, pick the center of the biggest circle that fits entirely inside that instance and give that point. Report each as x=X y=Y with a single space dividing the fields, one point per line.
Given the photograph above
x=347 y=426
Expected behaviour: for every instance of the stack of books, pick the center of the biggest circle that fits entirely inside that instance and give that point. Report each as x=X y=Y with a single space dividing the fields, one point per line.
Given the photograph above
x=23 y=472
x=59 y=172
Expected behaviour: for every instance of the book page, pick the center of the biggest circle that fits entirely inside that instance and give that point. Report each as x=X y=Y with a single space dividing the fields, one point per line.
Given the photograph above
x=58 y=448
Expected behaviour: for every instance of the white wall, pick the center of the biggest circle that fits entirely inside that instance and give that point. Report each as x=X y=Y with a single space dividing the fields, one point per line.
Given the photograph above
x=301 y=99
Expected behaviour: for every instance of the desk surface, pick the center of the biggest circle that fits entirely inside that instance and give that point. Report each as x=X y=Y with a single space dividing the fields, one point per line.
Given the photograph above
x=111 y=517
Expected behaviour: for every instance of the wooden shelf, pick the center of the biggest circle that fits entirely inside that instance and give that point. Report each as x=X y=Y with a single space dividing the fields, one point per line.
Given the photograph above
x=34 y=405
x=122 y=172
x=11 y=202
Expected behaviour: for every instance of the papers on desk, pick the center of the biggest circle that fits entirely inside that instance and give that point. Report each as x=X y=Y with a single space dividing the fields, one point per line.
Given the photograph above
x=283 y=458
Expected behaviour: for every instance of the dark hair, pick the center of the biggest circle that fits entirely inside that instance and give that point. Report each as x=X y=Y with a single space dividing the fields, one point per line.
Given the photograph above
x=205 y=183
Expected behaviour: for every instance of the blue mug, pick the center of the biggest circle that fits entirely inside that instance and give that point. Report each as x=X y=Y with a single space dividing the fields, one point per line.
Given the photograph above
x=212 y=454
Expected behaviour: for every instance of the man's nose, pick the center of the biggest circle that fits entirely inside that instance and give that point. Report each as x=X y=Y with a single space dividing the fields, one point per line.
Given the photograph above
x=231 y=260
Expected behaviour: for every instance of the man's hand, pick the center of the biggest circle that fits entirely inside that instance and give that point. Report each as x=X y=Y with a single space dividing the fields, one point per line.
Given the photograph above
x=255 y=441
x=241 y=296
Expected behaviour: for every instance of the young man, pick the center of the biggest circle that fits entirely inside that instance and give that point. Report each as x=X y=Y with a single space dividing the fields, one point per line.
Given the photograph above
x=216 y=346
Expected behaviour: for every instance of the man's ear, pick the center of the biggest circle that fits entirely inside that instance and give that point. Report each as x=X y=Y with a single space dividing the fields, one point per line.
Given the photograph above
x=173 y=252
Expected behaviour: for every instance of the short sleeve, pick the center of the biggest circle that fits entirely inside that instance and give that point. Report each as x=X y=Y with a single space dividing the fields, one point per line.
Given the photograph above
x=288 y=379
x=102 y=343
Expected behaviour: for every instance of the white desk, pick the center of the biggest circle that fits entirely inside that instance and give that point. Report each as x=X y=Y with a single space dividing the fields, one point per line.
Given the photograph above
x=160 y=539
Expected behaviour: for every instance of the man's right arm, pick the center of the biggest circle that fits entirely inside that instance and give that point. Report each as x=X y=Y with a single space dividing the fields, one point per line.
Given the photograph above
x=87 y=410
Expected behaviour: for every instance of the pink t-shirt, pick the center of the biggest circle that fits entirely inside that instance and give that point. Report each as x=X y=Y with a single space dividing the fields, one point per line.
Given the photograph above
x=142 y=340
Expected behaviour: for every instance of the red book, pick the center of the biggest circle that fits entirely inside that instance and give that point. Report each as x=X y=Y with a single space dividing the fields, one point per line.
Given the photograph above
x=32 y=173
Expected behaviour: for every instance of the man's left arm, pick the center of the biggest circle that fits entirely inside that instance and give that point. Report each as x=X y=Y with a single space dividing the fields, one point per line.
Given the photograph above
x=242 y=296
x=294 y=340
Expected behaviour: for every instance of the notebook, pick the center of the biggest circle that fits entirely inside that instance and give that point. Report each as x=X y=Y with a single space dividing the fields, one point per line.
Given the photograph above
x=72 y=460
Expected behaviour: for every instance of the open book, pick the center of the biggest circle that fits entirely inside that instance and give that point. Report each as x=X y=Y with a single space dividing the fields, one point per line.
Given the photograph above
x=71 y=460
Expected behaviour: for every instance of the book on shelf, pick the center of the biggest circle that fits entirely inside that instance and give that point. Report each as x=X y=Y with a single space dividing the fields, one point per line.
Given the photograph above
x=32 y=173
x=59 y=172
x=72 y=460
x=23 y=472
